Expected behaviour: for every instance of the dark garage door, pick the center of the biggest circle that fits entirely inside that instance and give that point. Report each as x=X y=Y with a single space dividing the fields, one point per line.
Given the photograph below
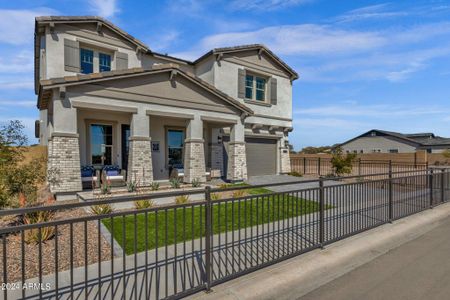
x=261 y=156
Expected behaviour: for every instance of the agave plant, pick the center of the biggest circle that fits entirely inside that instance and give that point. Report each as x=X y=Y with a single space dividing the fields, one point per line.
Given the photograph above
x=196 y=182
x=155 y=186
x=37 y=235
x=143 y=204
x=102 y=209
x=183 y=199
x=175 y=183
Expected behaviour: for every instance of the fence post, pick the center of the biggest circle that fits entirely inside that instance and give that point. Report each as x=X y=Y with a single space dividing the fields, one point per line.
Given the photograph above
x=304 y=165
x=318 y=166
x=430 y=180
x=391 y=203
x=442 y=185
x=208 y=236
x=359 y=167
x=322 y=214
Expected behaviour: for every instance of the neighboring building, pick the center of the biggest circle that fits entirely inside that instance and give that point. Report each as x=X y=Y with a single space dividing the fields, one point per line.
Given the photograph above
x=380 y=141
x=106 y=98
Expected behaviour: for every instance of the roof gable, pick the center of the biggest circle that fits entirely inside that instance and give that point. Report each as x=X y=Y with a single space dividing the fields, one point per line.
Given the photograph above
x=164 y=82
x=256 y=51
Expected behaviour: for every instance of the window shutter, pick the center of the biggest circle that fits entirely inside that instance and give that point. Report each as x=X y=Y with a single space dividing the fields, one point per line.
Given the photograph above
x=71 y=56
x=273 y=91
x=241 y=83
x=121 y=61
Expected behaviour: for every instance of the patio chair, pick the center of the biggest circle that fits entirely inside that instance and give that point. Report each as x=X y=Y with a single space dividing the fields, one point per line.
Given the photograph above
x=90 y=177
x=113 y=175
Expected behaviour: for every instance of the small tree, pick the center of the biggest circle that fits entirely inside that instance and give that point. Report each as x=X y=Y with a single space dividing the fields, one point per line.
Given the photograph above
x=342 y=164
x=17 y=179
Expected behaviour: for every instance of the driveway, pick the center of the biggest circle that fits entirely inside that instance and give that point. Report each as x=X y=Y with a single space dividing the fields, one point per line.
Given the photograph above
x=269 y=179
x=419 y=269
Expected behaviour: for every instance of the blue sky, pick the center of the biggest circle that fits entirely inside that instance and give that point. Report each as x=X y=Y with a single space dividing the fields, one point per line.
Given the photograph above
x=362 y=64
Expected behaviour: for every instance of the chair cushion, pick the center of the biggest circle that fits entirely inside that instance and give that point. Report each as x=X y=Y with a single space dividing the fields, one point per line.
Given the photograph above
x=87 y=171
x=112 y=172
x=88 y=179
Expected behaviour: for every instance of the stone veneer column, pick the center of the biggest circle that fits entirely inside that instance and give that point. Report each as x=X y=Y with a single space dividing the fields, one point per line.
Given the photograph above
x=285 y=166
x=140 y=167
x=237 y=160
x=64 y=160
x=194 y=152
x=216 y=151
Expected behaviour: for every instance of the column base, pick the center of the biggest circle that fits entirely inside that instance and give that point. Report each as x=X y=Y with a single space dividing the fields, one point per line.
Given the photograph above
x=194 y=161
x=285 y=161
x=64 y=164
x=237 y=162
x=140 y=167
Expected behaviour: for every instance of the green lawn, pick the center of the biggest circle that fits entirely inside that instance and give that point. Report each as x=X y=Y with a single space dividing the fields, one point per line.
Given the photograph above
x=190 y=222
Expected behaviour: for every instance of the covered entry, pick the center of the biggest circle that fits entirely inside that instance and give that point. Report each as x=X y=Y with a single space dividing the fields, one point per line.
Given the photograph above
x=261 y=155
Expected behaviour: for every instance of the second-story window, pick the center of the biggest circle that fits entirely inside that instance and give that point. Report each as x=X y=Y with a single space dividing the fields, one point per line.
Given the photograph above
x=86 y=61
x=104 y=63
x=255 y=88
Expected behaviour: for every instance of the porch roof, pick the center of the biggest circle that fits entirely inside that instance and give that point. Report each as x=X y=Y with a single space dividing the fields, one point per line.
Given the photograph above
x=47 y=85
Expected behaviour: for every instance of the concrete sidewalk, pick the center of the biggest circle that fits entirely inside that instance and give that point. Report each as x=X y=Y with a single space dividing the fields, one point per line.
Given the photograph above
x=301 y=275
x=419 y=269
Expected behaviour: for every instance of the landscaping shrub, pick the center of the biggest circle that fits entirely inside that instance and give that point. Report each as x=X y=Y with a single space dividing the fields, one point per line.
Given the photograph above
x=143 y=204
x=182 y=199
x=342 y=164
x=17 y=175
x=37 y=235
x=196 y=182
x=131 y=186
x=102 y=209
x=175 y=183
x=216 y=196
x=296 y=174
x=239 y=193
x=155 y=186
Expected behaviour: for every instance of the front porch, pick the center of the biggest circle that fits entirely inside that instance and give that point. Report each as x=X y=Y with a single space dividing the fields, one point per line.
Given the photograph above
x=150 y=146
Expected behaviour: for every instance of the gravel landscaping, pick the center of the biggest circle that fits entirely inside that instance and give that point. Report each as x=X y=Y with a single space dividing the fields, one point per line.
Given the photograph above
x=14 y=251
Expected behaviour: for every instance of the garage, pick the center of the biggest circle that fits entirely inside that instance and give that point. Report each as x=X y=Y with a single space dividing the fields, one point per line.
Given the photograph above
x=261 y=155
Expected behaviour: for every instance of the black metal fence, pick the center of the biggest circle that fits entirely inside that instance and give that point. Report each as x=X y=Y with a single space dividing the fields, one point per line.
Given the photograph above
x=172 y=251
x=323 y=166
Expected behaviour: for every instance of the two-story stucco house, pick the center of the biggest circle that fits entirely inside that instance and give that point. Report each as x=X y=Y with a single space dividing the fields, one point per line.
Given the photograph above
x=106 y=98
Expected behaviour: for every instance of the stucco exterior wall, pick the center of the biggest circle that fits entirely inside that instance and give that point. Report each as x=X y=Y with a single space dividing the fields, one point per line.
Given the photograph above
x=226 y=79
x=367 y=144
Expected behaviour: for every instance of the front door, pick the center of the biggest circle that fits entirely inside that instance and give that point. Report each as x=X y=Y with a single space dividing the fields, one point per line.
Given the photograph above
x=125 y=145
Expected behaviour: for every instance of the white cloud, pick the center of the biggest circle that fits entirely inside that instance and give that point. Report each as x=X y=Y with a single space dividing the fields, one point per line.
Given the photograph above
x=20 y=62
x=104 y=8
x=377 y=11
x=17 y=26
x=19 y=84
x=265 y=4
x=17 y=103
x=164 y=40
x=334 y=123
x=304 y=39
x=375 y=111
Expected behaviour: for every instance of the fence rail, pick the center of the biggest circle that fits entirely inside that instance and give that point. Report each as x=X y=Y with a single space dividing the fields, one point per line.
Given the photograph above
x=172 y=251
x=323 y=166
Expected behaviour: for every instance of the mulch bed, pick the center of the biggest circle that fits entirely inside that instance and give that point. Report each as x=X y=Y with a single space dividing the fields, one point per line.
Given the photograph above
x=14 y=249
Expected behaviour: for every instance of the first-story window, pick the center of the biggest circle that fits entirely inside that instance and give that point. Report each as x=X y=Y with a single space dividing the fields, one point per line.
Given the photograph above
x=86 y=61
x=393 y=150
x=175 y=141
x=104 y=62
x=255 y=88
x=101 y=144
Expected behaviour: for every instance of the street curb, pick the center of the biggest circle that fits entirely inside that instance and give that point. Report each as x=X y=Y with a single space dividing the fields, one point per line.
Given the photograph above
x=298 y=276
